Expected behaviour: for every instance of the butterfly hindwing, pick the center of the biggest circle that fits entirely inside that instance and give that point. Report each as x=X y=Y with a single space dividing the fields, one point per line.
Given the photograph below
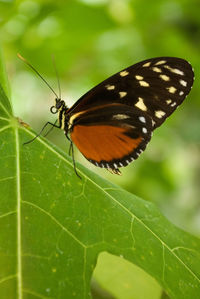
x=112 y=135
x=155 y=86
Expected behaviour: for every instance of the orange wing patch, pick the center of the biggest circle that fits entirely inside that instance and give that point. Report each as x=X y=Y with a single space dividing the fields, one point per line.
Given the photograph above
x=103 y=142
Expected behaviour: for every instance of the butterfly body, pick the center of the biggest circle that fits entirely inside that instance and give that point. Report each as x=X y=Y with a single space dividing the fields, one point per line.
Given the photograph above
x=113 y=122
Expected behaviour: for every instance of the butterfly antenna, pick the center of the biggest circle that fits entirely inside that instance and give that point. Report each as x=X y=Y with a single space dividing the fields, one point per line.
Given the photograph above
x=24 y=60
x=56 y=71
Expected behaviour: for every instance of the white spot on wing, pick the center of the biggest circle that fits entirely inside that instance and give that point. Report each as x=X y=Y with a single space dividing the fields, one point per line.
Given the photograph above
x=120 y=116
x=179 y=72
x=173 y=104
x=168 y=101
x=124 y=73
x=160 y=62
x=156 y=69
x=181 y=93
x=140 y=104
x=122 y=94
x=164 y=77
x=142 y=119
x=144 y=130
x=183 y=82
x=175 y=71
x=159 y=113
x=144 y=83
x=110 y=87
x=147 y=64
x=138 y=77
x=171 y=89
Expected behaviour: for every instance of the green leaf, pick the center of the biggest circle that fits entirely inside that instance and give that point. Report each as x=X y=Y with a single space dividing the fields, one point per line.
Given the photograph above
x=54 y=225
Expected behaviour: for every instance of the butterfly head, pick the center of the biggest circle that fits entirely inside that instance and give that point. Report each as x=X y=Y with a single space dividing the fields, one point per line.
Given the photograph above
x=59 y=106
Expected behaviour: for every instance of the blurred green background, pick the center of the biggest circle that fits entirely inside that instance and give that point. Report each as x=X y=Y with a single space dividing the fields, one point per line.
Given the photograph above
x=91 y=40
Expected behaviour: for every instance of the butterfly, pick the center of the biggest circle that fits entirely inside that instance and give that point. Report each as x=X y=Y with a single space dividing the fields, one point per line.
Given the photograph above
x=112 y=123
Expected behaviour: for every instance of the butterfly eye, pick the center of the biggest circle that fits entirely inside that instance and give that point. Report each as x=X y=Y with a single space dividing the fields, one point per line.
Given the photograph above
x=53 y=109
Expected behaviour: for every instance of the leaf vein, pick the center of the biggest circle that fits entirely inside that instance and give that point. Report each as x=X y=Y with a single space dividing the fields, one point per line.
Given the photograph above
x=36 y=294
x=5 y=128
x=8 y=178
x=4 y=109
x=8 y=278
x=4 y=118
x=55 y=220
x=7 y=214
x=164 y=263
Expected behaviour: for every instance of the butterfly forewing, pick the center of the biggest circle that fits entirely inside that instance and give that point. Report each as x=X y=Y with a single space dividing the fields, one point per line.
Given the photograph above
x=155 y=86
x=151 y=89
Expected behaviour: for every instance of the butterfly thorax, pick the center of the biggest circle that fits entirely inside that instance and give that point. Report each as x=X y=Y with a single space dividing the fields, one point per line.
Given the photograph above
x=60 y=108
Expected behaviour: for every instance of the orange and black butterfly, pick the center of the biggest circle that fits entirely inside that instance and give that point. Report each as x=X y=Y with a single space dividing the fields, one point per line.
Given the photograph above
x=113 y=122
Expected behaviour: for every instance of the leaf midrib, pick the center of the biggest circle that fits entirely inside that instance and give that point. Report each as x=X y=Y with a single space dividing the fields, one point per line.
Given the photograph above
x=5 y=110
x=18 y=187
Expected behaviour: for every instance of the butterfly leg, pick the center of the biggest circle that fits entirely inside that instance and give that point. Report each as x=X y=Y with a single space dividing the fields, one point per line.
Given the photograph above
x=48 y=123
x=51 y=128
x=71 y=150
